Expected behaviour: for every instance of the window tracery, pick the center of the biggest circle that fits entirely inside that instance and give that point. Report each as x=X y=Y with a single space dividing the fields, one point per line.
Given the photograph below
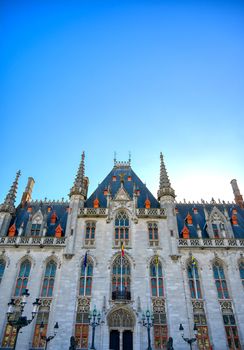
x=22 y=279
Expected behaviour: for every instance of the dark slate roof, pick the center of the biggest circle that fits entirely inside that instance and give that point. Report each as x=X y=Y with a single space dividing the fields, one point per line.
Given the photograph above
x=128 y=185
x=22 y=216
x=199 y=218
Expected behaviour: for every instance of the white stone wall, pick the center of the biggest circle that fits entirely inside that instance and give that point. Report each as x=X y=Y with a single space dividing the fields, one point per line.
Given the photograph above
x=178 y=300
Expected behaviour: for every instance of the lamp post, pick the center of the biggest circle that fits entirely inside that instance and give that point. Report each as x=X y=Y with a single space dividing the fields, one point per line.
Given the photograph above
x=94 y=321
x=50 y=337
x=189 y=340
x=20 y=321
x=147 y=321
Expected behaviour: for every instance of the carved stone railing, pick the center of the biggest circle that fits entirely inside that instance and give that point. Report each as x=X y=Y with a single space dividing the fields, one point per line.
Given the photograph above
x=211 y=243
x=93 y=212
x=151 y=212
x=32 y=241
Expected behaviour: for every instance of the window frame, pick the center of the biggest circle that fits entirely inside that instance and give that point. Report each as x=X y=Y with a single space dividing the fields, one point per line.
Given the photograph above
x=153 y=235
x=47 y=290
x=85 y=289
x=23 y=278
x=121 y=232
x=2 y=269
x=90 y=233
x=156 y=278
x=220 y=280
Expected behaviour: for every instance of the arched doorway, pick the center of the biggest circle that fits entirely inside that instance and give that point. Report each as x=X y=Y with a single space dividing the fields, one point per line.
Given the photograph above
x=121 y=324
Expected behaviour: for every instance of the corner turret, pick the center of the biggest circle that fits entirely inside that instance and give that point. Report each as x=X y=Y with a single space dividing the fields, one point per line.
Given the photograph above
x=8 y=204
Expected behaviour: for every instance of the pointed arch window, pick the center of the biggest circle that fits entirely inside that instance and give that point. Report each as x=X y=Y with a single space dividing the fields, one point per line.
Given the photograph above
x=22 y=279
x=194 y=281
x=156 y=277
x=220 y=281
x=122 y=225
x=153 y=233
x=241 y=269
x=49 y=277
x=86 y=274
x=2 y=268
x=121 y=278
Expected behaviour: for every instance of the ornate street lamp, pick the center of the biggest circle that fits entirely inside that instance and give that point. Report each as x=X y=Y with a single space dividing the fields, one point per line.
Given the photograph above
x=147 y=321
x=20 y=321
x=50 y=337
x=94 y=321
x=189 y=340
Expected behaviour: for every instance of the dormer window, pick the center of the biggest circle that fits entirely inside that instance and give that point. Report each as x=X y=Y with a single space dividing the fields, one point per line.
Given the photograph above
x=35 y=229
x=114 y=178
x=53 y=218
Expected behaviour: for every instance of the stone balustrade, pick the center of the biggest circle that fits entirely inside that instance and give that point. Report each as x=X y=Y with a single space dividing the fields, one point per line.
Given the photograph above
x=32 y=241
x=211 y=243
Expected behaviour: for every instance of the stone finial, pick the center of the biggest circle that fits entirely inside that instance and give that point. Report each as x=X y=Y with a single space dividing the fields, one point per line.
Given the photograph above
x=165 y=189
x=238 y=197
x=26 y=197
x=81 y=182
x=8 y=204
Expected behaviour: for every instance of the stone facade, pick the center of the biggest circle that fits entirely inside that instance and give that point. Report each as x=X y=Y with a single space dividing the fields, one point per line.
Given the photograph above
x=123 y=192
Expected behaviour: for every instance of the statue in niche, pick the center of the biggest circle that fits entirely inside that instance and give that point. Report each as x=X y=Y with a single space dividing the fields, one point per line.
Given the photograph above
x=170 y=344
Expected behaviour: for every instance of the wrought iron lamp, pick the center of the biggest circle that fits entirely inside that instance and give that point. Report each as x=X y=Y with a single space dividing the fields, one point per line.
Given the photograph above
x=17 y=320
x=147 y=321
x=94 y=321
x=50 y=337
x=189 y=340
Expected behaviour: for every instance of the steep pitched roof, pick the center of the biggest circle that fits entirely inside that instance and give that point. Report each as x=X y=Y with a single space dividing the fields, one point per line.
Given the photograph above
x=198 y=218
x=130 y=182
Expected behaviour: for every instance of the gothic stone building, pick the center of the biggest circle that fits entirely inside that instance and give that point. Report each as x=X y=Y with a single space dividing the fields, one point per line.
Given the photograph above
x=123 y=252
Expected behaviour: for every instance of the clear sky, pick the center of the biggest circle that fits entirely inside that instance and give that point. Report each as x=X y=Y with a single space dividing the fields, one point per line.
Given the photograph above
x=139 y=76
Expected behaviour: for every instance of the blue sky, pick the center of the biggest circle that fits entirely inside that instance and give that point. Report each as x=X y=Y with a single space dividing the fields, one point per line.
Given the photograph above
x=139 y=76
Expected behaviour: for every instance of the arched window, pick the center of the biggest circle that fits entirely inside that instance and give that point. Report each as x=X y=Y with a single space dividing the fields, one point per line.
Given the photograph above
x=194 y=282
x=121 y=278
x=156 y=276
x=86 y=277
x=153 y=233
x=2 y=267
x=220 y=281
x=241 y=269
x=48 y=282
x=231 y=330
x=122 y=228
x=22 y=279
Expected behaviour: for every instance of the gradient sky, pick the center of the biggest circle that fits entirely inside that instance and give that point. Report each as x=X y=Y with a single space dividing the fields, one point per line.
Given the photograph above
x=139 y=76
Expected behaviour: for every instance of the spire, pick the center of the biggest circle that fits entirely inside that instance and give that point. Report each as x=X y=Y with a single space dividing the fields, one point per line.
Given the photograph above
x=8 y=204
x=80 y=183
x=165 y=189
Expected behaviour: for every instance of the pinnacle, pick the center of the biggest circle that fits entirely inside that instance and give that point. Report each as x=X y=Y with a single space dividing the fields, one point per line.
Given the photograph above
x=8 y=204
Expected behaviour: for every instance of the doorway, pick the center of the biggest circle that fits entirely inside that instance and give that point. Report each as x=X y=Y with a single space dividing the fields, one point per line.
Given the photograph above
x=114 y=340
x=127 y=340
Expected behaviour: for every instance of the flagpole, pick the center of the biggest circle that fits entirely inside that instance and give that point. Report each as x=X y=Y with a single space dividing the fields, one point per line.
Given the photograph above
x=121 y=262
x=194 y=278
x=157 y=278
x=85 y=280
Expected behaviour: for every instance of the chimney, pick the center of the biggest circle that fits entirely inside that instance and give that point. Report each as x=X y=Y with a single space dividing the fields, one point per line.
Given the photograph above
x=26 y=197
x=238 y=197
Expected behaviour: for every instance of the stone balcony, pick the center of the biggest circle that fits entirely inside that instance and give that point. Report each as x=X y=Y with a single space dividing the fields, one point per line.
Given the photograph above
x=151 y=212
x=32 y=241
x=201 y=243
x=93 y=212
